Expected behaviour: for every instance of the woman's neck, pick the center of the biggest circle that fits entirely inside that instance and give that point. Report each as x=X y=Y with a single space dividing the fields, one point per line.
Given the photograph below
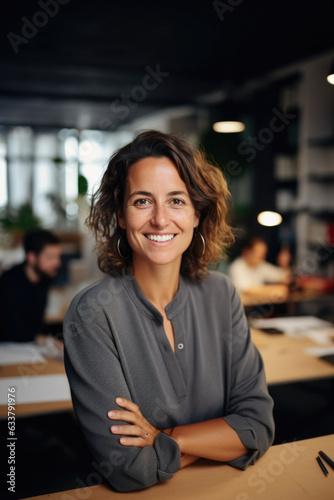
x=158 y=283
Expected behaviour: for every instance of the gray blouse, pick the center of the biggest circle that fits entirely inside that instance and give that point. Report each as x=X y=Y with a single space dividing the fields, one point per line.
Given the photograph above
x=116 y=346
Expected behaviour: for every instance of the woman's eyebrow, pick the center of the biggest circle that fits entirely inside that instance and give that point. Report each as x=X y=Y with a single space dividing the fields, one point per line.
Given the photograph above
x=142 y=193
x=178 y=193
x=147 y=193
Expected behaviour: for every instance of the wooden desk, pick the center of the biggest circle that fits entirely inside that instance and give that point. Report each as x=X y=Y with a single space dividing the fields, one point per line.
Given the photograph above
x=285 y=359
x=49 y=367
x=287 y=471
x=59 y=298
x=292 y=298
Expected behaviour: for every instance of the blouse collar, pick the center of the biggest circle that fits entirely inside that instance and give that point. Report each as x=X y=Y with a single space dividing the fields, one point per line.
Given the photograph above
x=146 y=306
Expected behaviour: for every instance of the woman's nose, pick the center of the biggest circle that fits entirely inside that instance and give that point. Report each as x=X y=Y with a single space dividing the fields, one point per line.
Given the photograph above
x=160 y=215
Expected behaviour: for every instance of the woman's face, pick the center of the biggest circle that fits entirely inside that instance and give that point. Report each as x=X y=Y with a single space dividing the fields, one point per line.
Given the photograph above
x=158 y=214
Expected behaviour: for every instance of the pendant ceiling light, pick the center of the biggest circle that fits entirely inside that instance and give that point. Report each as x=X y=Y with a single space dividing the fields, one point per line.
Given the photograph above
x=228 y=119
x=330 y=76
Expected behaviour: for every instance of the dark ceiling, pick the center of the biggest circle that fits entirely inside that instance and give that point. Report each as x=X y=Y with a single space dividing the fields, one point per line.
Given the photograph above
x=86 y=64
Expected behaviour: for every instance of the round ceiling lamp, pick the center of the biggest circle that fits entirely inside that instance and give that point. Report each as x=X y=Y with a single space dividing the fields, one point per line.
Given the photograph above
x=269 y=219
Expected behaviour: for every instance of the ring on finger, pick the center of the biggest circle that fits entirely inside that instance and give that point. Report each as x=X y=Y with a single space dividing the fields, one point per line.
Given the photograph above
x=146 y=433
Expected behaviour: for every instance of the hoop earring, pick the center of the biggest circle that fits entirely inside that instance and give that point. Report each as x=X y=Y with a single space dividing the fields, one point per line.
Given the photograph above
x=203 y=241
x=118 y=249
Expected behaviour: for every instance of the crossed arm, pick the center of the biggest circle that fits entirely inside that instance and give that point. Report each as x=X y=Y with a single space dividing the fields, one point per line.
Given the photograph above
x=214 y=439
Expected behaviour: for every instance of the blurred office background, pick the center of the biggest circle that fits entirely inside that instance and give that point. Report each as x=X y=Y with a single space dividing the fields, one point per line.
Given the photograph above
x=79 y=79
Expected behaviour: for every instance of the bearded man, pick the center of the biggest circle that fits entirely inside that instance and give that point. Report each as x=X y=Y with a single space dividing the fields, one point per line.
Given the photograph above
x=24 y=289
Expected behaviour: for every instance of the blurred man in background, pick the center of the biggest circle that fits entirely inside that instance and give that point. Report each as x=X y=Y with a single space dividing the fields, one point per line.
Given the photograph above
x=24 y=289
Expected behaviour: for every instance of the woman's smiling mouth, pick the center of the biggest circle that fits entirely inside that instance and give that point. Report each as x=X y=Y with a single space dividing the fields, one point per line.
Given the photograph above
x=160 y=237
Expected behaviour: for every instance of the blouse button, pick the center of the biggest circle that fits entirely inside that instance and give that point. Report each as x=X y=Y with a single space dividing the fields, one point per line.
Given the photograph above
x=180 y=345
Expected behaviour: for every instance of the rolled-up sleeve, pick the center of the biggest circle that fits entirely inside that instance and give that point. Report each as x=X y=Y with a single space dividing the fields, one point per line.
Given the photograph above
x=250 y=408
x=96 y=378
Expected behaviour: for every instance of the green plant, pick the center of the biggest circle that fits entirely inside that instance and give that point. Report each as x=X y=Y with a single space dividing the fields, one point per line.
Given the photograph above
x=82 y=185
x=20 y=219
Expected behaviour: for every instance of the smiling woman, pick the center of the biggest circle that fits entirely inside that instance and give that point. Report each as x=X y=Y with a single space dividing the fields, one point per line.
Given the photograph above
x=203 y=186
x=159 y=227
x=158 y=354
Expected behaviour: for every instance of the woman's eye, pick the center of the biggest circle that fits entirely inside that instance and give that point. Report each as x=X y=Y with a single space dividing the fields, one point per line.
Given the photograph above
x=141 y=202
x=176 y=201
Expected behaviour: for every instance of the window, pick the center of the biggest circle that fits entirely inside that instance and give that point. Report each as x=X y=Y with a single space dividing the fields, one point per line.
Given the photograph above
x=42 y=169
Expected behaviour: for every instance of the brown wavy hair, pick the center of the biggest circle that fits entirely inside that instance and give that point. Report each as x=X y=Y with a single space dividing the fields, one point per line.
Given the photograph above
x=207 y=189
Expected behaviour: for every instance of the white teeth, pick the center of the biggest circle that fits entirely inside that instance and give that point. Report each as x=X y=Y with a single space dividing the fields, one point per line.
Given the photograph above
x=158 y=237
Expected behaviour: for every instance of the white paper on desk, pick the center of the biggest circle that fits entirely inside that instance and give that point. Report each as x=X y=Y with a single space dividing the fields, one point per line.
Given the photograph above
x=293 y=325
x=36 y=389
x=12 y=353
x=321 y=336
x=319 y=351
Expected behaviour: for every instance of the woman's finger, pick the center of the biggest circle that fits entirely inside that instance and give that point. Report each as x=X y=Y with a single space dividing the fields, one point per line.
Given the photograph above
x=133 y=435
x=134 y=441
x=128 y=430
x=125 y=416
x=128 y=405
x=144 y=431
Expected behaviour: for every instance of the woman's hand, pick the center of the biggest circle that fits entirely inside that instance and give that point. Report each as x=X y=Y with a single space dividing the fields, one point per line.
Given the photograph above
x=140 y=433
